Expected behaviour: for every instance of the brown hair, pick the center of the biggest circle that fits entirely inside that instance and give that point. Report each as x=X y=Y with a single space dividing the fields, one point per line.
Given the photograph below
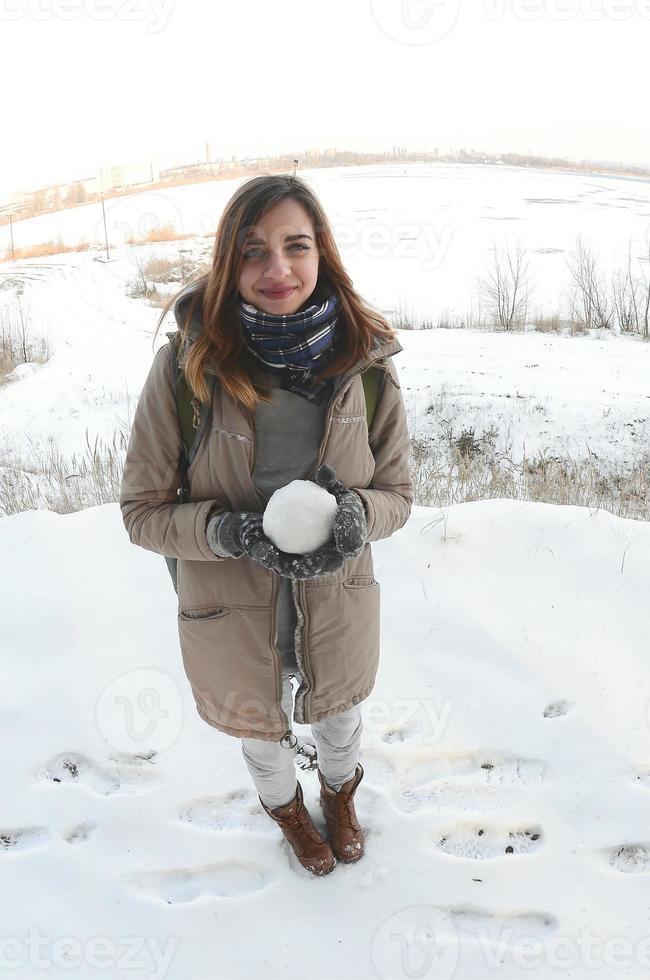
x=220 y=343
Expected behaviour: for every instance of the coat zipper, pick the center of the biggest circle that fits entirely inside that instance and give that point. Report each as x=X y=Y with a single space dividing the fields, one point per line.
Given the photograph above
x=288 y=734
x=299 y=590
x=296 y=593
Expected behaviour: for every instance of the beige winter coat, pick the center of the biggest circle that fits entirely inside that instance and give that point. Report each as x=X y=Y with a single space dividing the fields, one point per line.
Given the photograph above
x=226 y=606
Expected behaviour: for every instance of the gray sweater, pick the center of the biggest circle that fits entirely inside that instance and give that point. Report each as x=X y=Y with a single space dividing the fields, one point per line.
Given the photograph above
x=289 y=432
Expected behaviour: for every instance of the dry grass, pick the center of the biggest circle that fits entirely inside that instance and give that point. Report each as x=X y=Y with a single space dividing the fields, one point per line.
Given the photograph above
x=470 y=469
x=161 y=270
x=157 y=298
x=160 y=233
x=49 y=480
x=44 y=248
x=152 y=272
x=555 y=324
x=18 y=345
x=402 y=318
x=473 y=470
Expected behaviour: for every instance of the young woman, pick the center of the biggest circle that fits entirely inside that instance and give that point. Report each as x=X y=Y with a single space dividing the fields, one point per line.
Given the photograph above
x=273 y=342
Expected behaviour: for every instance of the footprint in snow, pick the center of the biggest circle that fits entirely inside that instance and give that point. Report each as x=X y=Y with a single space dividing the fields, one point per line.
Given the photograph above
x=402 y=734
x=478 y=843
x=73 y=767
x=27 y=838
x=631 y=858
x=227 y=879
x=23 y=838
x=468 y=781
x=237 y=810
x=80 y=833
x=509 y=930
x=556 y=709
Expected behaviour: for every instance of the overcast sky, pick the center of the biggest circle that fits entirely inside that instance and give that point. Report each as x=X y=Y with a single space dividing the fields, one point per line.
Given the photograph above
x=91 y=82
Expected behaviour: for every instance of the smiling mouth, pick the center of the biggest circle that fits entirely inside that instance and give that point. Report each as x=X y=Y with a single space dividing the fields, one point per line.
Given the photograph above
x=278 y=293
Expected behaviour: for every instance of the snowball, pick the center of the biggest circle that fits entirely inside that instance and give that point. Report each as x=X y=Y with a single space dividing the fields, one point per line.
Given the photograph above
x=299 y=517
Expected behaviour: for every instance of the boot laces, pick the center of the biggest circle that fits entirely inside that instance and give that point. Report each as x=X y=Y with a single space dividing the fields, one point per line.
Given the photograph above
x=301 y=819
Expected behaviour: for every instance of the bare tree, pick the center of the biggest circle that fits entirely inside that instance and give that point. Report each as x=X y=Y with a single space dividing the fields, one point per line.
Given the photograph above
x=625 y=289
x=139 y=286
x=505 y=289
x=631 y=293
x=589 y=301
x=644 y=292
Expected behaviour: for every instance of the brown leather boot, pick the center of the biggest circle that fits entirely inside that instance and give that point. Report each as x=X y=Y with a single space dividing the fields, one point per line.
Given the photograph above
x=345 y=833
x=293 y=819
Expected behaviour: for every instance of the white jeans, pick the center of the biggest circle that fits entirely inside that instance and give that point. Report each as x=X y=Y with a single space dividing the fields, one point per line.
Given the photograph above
x=337 y=741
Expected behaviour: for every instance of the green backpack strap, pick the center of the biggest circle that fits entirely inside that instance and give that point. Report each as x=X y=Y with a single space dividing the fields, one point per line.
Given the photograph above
x=188 y=418
x=371 y=378
x=187 y=409
x=187 y=405
x=186 y=412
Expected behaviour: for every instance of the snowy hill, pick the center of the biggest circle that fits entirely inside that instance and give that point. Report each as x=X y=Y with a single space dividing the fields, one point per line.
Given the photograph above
x=506 y=796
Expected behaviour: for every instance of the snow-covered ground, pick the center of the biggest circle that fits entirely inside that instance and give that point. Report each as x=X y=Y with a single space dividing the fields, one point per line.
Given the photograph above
x=571 y=395
x=574 y=396
x=506 y=797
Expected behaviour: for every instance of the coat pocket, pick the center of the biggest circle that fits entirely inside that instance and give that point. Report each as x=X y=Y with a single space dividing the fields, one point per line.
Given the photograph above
x=231 y=667
x=343 y=625
x=359 y=582
x=203 y=612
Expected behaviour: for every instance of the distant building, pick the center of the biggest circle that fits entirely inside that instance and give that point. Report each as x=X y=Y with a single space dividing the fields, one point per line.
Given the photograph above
x=121 y=175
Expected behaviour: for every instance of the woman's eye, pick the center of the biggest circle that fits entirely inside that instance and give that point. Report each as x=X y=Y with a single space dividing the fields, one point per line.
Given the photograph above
x=252 y=252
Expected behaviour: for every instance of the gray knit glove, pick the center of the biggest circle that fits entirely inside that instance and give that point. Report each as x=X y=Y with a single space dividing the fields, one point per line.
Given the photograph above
x=319 y=562
x=350 y=527
x=241 y=531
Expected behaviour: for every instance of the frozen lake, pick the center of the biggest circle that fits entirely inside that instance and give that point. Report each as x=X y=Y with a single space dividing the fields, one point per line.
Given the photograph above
x=416 y=236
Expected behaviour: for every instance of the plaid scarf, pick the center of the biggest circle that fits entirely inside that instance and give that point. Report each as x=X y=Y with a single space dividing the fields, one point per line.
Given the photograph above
x=294 y=345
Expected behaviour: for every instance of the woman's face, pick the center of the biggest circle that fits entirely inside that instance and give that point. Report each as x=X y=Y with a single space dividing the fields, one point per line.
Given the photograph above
x=279 y=261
